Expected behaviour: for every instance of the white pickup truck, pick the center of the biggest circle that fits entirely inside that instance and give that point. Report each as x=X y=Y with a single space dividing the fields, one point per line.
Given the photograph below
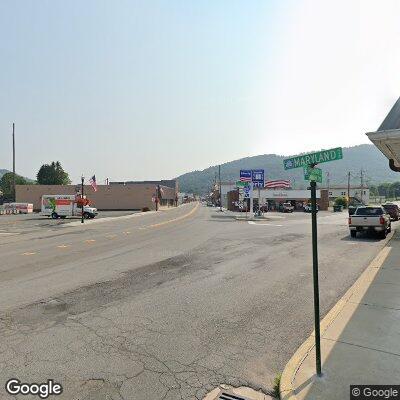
x=370 y=219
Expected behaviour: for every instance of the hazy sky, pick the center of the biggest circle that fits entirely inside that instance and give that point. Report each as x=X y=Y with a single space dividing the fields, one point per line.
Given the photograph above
x=152 y=89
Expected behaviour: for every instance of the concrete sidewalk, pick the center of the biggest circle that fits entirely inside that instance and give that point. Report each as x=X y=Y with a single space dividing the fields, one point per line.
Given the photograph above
x=359 y=337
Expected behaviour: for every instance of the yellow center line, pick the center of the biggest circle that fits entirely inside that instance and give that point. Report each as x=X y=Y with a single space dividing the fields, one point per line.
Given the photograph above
x=127 y=233
x=29 y=253
x=90 y=241
x=63 y=246
x=175 y=219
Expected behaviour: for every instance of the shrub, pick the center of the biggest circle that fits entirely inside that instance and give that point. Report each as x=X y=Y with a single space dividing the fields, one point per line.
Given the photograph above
x=341 y=201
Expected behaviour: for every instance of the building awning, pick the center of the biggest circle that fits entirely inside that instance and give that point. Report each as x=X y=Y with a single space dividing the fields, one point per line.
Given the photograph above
x=388 y=142
x=387 y=137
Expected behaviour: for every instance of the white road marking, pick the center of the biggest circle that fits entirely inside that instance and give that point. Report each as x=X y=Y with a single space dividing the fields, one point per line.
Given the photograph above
x=262 y=224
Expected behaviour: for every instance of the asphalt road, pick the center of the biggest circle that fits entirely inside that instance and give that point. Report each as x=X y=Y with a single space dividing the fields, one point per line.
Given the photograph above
x=165 y=305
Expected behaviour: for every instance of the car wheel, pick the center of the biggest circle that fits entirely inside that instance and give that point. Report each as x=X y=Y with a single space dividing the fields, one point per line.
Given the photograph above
x=86 y=215
x=353 y=234
x=54 y=215
x=389 y=228
x=383 y=234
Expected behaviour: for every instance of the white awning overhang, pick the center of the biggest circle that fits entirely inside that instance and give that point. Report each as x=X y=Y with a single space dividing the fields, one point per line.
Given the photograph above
x=388 y=142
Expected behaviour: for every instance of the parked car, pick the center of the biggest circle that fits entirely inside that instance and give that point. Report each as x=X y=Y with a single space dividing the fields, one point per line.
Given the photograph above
x=393 y=210
x=287 y=207
x=308 y=208
x=370 y=219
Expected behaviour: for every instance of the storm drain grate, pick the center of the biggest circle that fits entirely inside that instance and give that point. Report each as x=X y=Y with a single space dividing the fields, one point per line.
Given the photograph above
x=227 y=396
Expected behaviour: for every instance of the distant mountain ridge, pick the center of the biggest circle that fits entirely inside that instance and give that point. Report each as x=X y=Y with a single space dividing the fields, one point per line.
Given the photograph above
x=4 y=171
x=364 y=157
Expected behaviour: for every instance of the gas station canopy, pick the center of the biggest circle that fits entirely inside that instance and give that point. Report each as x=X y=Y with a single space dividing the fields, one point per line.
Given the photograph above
x=387 y=137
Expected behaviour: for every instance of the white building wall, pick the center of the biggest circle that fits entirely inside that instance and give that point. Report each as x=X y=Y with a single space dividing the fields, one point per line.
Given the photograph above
x=362 y=194
x=271 y=194
x=225 y=188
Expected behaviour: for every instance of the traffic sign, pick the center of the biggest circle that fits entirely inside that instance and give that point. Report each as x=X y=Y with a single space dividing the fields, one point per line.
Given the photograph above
x=241 y=184
x=313 y=174
x=257 y=177
x=245 y=175
x=247 y=192
x=313 y=158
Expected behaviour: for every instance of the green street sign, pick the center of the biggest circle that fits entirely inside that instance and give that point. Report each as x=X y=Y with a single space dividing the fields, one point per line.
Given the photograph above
x=313 y=158
x=242 y=184
x=312 y=174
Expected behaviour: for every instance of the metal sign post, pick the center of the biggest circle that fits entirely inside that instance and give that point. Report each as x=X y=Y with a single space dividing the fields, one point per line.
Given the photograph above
x=314 y=175
x=314 y=235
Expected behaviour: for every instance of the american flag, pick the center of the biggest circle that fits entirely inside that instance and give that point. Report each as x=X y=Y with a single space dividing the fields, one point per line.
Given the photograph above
x=93 y=182
x=279 y=183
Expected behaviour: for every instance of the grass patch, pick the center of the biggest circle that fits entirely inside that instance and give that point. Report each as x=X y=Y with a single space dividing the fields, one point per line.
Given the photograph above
x=277 y=382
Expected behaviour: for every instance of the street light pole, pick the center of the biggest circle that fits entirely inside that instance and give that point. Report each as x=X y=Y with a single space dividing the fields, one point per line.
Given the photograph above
x=82 y=182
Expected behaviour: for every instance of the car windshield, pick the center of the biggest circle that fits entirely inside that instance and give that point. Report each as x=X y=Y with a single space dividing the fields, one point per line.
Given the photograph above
x=369 y=211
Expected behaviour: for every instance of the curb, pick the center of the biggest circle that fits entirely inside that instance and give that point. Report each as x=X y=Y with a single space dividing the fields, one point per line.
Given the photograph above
x=286 y=388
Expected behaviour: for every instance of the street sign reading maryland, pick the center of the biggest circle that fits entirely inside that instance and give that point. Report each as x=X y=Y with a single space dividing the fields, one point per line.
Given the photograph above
x=313 y=158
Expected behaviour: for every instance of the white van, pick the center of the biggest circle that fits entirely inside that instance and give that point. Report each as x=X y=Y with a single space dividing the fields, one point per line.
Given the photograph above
x=64 y=205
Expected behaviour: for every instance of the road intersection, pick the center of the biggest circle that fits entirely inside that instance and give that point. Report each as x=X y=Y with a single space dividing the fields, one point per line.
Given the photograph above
x=167 y=305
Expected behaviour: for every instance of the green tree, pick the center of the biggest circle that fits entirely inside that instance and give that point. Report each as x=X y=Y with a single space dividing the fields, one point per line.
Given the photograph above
x=341 y=201
x=6 y=184
x=384 y=189
x=395 y=189
x=373 y=190
x=52 y=174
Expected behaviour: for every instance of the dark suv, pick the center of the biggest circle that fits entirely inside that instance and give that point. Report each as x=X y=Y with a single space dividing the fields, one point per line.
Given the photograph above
x=392 y=210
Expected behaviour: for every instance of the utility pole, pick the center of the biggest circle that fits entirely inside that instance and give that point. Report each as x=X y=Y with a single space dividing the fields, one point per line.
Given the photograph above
x=82 y=182
x=348 y=188
x=328 y=184
x=362 y=184
x=13 y=139
x=220 y=194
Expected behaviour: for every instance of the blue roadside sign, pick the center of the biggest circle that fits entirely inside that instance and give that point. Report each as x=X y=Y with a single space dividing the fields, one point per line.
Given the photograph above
x=257 y=177
x=245 y=175
x=246 y=192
